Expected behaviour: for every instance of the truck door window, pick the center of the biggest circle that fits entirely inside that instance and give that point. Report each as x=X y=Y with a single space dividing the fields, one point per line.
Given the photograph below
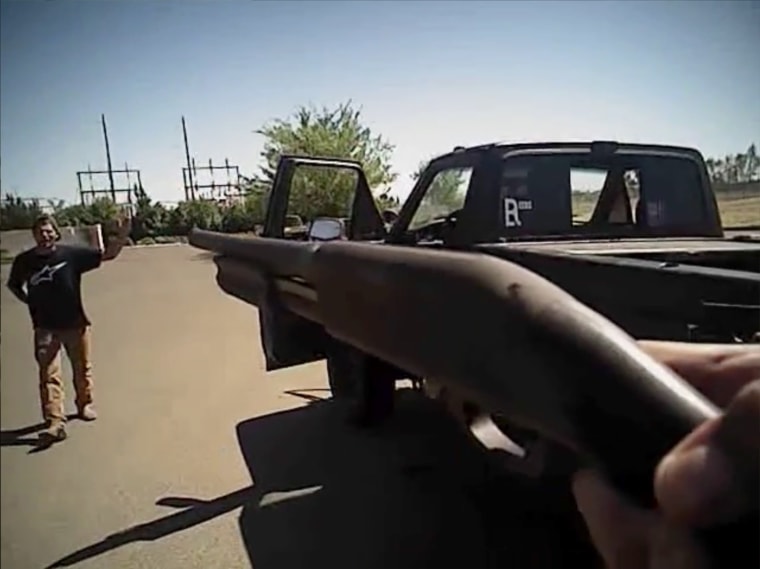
x=318 y=191
x=444 y=195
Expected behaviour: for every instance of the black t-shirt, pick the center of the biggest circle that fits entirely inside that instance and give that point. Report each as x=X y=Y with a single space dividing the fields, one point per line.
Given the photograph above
x=53 y=284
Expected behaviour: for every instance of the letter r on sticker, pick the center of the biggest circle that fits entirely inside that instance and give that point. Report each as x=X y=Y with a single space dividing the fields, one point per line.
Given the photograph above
x=511 y=213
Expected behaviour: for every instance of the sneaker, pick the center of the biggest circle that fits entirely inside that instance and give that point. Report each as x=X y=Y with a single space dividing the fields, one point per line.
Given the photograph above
x=56 y=432
x=87 y=413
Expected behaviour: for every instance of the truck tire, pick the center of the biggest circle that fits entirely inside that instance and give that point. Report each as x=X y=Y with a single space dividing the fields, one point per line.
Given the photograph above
x=375 y=396
x=344 y=372
x=362 y=382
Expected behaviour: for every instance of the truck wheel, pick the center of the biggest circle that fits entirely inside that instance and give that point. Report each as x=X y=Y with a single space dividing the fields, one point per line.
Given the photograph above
x=375 y=398
x=363 y=382
x=344 y=373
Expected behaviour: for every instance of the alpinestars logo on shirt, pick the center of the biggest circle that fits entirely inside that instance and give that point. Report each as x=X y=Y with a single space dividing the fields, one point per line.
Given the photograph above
x=46 y=273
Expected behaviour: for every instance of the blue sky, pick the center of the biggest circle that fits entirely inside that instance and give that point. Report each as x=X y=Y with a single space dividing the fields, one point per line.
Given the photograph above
x=428 y=75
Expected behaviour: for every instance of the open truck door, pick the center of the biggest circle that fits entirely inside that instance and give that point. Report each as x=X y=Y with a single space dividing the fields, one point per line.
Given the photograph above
x=289 y=339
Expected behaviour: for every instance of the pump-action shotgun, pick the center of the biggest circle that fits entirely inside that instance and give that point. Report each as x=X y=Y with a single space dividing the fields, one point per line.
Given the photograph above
x=515 y=343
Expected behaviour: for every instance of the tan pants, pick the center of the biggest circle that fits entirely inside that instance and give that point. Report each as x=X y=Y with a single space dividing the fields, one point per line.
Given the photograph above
x=47 y=348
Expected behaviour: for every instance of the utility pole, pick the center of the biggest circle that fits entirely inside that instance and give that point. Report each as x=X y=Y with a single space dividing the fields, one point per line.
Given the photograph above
x=108 y=158
x=189 y=165
x=111 y=189
x=213 y=190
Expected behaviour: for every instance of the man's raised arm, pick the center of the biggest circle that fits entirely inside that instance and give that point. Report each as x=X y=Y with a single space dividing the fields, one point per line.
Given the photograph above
x=117 y=242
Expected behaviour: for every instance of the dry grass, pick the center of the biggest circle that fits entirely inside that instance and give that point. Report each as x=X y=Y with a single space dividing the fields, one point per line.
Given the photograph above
x=740 y=212
x=735 y=212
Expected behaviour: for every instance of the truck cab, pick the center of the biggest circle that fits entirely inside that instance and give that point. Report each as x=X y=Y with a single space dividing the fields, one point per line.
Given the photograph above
x=529 y=192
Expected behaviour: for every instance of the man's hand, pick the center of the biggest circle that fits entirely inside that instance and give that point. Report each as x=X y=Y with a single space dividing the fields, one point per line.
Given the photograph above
x=117 y=242
x=709 y=477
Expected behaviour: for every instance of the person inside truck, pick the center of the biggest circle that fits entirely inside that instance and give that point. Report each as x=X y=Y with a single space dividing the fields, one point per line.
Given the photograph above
x=614 y=204
x=389 y=217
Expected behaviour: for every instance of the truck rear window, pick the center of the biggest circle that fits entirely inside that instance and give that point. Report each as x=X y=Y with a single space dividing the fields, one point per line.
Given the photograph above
x=571 y=193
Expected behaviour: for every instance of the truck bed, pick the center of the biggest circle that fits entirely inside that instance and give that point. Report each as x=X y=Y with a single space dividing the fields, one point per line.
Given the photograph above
x=734 y=253
x=627 y=247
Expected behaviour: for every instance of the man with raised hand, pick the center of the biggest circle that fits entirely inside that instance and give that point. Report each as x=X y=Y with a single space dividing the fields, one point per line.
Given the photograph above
x=47 y=278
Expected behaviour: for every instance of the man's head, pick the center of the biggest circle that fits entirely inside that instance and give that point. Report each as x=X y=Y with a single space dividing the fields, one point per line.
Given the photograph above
x=46 y=233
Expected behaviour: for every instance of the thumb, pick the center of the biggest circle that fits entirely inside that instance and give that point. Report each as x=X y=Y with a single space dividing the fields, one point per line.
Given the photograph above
x=712 y=475
x=618 y=530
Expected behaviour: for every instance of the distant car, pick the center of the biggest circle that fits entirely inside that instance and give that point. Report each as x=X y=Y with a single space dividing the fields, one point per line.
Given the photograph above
x=295 y=228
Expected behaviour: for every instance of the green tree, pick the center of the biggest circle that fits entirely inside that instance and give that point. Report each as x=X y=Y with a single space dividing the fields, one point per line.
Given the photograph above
x=386 y=201
x=103 y=210
x=751 y=171
x=336 y=133
x=75 y=214
x=57 y=206
x=446 y=189
x=445 y=194
x=202 y=214
x=256 y=200
x=18 y=213
x=149 y=218
x=738 y=168
x=235 y=219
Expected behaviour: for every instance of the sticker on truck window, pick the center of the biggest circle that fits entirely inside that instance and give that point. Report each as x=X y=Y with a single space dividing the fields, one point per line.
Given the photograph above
x=512 y=209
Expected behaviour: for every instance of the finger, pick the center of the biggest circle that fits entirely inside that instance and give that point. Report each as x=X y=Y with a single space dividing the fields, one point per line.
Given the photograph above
x=738 y=436
x=674 y=547
x=739 y=430
x=618 y=529
x=718 y=371
x=626 y=536
x=712 y=475
x=691 y=483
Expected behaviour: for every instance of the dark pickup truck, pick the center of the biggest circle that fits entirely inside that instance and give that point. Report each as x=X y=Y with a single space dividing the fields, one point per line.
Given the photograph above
x=651 y=253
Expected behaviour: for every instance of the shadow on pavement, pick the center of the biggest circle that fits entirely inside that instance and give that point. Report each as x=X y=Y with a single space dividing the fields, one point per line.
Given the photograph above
x=308 y=394
x=414 y=494
x=197 y=512
x=20 y=437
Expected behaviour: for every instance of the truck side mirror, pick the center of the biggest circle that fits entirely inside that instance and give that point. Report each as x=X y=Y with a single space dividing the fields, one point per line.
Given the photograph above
x=325 y=229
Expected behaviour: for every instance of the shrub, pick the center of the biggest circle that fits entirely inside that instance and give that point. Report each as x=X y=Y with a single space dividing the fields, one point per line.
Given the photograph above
x=167 y=239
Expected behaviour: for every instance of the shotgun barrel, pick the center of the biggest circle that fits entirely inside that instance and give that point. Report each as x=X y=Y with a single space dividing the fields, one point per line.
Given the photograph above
x=511 y=340
x=516 y=344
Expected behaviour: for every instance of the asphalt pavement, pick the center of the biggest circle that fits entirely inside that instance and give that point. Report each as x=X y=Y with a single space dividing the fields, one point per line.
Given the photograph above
x=201 y=459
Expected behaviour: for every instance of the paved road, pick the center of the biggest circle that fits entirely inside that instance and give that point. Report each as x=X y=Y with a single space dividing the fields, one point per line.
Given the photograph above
x=199 y=459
